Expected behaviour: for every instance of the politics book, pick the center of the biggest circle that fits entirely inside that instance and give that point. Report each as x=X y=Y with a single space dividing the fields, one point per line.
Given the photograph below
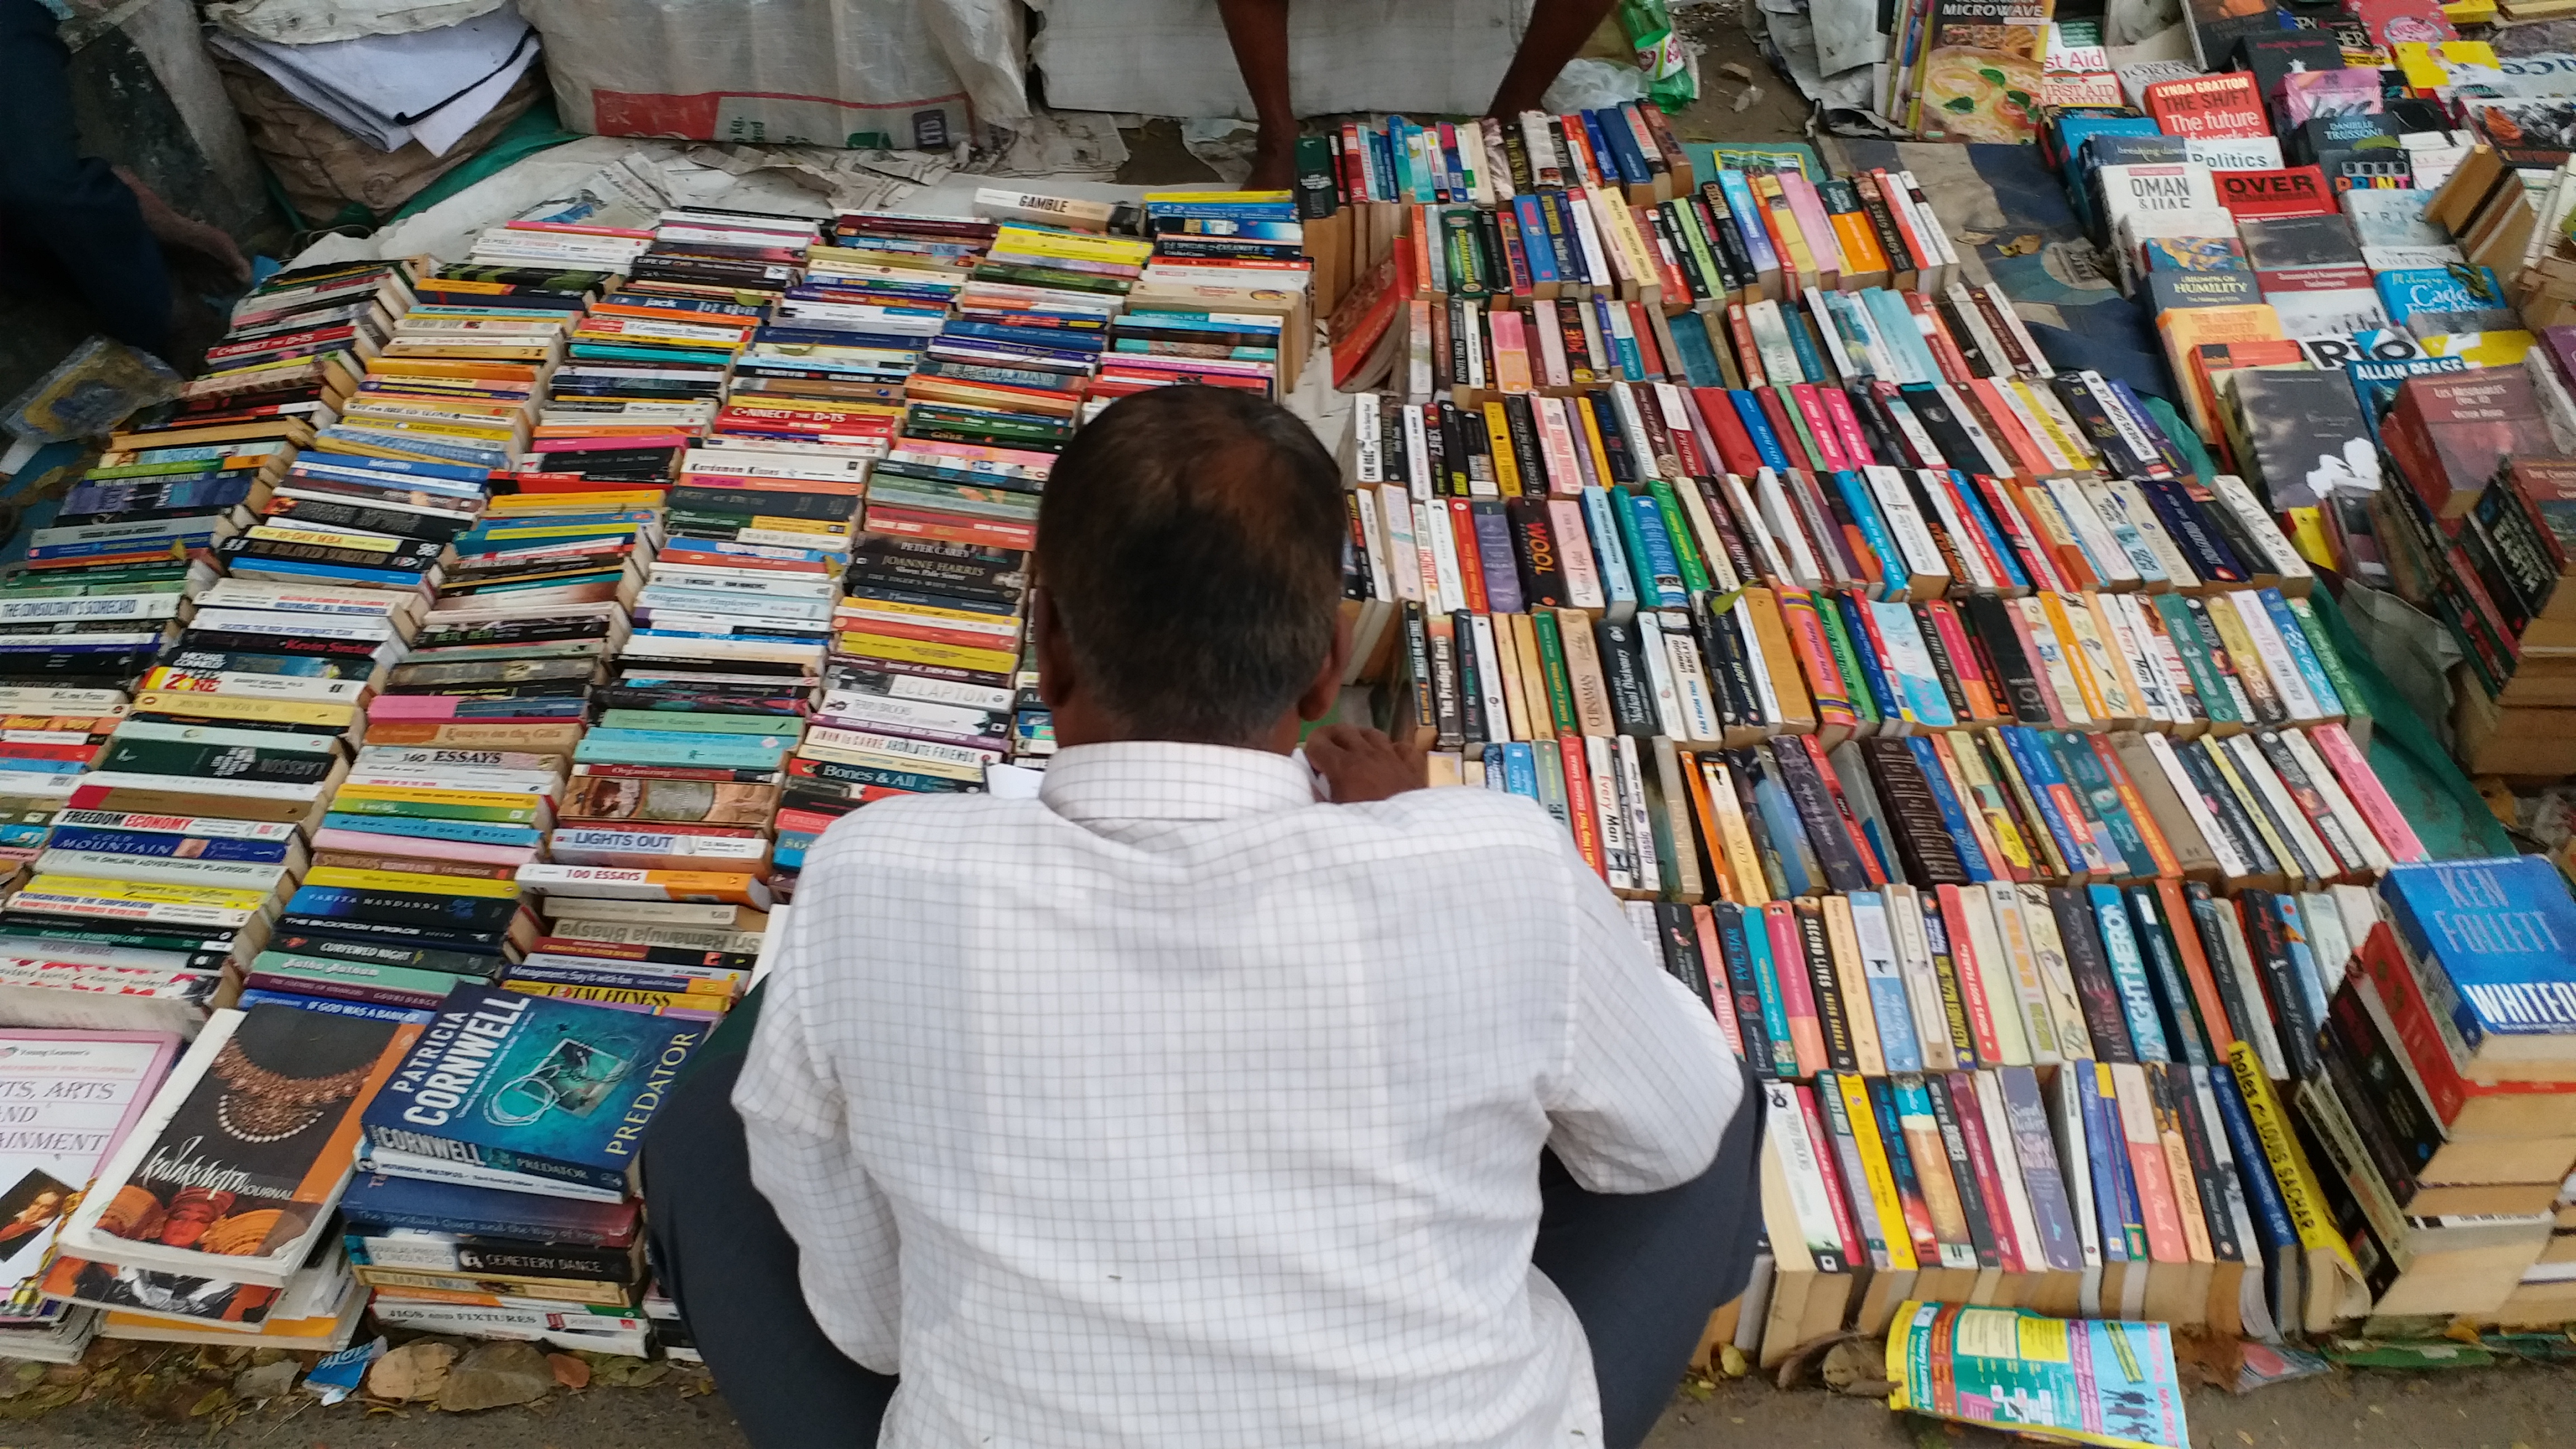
x=518 y=1090
x=235 y=1168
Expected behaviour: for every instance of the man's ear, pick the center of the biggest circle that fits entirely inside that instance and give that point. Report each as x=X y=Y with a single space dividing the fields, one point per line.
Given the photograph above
x=1057 y=682
x=1326 y=687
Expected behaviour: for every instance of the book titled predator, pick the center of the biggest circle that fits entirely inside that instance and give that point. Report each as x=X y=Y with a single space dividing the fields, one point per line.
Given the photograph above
x=504 y=1085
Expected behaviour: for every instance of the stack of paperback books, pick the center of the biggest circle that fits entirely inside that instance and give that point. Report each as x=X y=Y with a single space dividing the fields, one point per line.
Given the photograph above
x=498 y=1163
x=214 y=1220
x=1224 y=300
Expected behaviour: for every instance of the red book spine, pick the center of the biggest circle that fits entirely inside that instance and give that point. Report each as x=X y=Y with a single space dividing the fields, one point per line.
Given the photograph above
x=1797 y=995
x=1826 y=1163
x=1971 y=972
x=1962 y=1087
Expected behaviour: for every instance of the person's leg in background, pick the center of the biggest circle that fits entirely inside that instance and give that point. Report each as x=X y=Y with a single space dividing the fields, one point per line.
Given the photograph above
x=723 y=1258
x=1258 y=31
x=1645 y=1270
x=58 y=206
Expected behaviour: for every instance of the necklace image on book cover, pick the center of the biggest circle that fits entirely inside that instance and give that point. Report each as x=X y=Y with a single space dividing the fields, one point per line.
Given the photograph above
x=253 y=1152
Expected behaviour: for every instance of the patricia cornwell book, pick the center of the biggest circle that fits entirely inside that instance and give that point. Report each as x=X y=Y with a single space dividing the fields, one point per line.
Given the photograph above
x=540 y=1089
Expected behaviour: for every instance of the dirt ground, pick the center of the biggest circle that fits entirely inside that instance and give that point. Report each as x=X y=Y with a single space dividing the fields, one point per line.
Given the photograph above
x=2514 y=1407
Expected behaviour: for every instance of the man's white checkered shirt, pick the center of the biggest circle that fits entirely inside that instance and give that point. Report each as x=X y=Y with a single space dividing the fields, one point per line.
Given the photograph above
x=1174 y=1108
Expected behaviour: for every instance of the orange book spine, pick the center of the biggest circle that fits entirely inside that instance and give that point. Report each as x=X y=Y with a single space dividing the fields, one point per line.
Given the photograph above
x=1578 y=804
x=1972 y=987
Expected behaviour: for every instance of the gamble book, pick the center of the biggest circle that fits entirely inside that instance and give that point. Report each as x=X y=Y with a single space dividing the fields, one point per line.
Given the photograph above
x=510 y=1086
x=235 y=1168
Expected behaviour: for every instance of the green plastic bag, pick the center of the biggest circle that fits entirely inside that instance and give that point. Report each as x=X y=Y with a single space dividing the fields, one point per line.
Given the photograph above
x=1649 y=28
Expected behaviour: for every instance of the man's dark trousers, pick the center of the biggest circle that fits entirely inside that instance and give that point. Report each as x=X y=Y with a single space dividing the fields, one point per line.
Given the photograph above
x=1643 y=1271
x=61 y=215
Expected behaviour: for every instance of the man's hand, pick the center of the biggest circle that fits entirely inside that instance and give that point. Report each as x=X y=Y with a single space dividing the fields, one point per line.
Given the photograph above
x=1361 y=764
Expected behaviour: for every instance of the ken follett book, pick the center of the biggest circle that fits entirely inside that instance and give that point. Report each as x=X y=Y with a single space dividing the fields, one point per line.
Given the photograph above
x=540 y=1088
x=2502 y=933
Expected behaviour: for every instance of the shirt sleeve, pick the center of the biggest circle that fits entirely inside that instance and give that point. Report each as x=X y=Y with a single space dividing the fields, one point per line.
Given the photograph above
x=1649 y=1085
x=803 y=1162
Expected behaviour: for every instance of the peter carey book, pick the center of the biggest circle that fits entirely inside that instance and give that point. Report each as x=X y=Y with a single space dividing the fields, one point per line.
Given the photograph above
x=507 y=1086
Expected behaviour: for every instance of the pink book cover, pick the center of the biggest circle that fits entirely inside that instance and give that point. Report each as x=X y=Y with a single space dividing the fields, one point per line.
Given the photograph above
x=2361 y=783
x=1797 y=993
x=1813 y=221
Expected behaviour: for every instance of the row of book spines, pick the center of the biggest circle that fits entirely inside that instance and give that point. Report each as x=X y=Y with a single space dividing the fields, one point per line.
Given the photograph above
x=1697 y=252
x=1967 y=977
x=2113 y=1168
x=1836 y=661
x=2004 y=517
x=1491 y=160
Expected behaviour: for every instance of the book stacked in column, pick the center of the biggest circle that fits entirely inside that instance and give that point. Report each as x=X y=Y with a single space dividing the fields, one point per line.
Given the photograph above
x=1224 y=299
x=917 y=688
x=176 y=849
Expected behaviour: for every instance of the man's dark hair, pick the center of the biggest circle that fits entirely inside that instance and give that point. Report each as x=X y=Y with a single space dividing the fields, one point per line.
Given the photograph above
x=1191 y=543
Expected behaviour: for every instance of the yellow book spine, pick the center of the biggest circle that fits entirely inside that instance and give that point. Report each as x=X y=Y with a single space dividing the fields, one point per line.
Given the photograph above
x=915 y=651
x=1073 y=246
x=1842 y=944
x=1742 y=860
x=151 y=893
x=2290 y=1169
x=430 y=795
x=232 y=706
x=1507 y=465
x=2070 y=646
x=407 y=881
x=1876 y=1172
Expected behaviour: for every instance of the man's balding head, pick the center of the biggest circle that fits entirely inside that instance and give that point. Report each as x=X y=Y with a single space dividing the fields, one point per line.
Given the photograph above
x=1190 y=552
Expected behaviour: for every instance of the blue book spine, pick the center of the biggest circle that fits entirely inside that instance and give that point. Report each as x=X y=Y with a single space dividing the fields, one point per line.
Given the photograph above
x=1902 y=334
x=1909 y=665
x=253 y=566
x=1497 y=769
x=1780 y=820
x=1542 y=257
x=1887 y=998
x=364 y=1010
x=1963 y=837
x=1811 y=358
x=195 y=537
x=1658 y=552
x=2037 y=768
x=2129 y=973
x=2108 y=1152
x=1766 y=985
x=468 y=832
x=661 y=747
x=1495 y=558
x=2303 y=957
x=1618 y=584
x=1748 y=219
x=41 y=767
x=1856 y=497
x=2262 y=1194
x=2294 y=638
x=1748 y=410
x=463 y=455
x=2112 y=828
x=1984 y=522
x=1520 y=770
x=1698 y=355
x=1882 y=692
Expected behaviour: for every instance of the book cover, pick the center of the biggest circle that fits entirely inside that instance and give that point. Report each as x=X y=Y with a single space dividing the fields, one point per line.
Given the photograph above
x=2285 y=191
x=545 y=1090
x=2305 y=435
x=2496 y=945
x=2225 y=104
x=235 y=1168
x=74 y=1095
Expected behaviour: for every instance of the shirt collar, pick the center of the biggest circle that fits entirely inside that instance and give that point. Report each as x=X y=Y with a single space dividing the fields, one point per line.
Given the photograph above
x=1164 y=780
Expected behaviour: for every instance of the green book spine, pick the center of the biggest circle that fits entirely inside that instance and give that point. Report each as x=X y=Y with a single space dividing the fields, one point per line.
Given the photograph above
x=1551 y=662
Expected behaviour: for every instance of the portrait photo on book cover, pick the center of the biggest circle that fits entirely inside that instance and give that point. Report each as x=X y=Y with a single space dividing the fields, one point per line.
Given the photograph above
x=32 y=1204
x=223 y=1176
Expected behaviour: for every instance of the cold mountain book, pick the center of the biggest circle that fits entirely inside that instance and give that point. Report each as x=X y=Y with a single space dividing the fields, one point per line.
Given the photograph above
x=510 y=1090
x=235 y=1168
